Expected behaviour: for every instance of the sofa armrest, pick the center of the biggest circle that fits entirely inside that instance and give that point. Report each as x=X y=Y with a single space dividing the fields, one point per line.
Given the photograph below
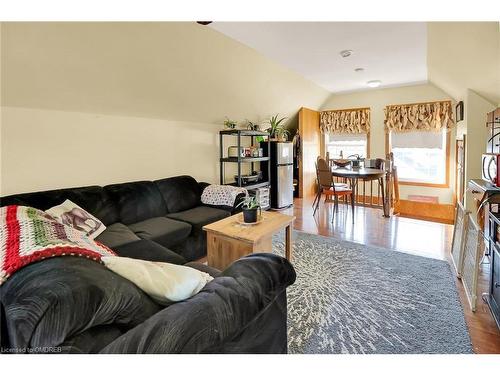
x=203 y=185
x=4 y=338
x=214 y=316
x=232 y=209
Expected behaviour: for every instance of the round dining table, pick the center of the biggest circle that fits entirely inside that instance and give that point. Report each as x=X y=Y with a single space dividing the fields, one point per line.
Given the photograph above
x=353 y=175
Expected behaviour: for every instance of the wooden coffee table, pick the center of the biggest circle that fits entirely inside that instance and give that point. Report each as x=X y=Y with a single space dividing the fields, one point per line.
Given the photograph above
x=228 y=240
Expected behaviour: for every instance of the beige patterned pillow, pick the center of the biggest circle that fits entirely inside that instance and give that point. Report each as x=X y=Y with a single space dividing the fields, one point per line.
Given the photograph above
x=69 y=213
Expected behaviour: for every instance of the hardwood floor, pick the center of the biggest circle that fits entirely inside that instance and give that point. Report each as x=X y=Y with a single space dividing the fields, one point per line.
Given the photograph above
x=418 y=237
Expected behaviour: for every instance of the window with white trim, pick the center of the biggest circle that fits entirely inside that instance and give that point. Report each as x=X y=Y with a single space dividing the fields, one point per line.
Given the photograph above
x=420 y=156
x=348 y=144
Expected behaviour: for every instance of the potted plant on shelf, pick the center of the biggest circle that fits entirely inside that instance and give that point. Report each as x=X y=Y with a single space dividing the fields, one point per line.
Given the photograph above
x=252 y=126
x=230 y=124
x=250 y=206
x=277 y=131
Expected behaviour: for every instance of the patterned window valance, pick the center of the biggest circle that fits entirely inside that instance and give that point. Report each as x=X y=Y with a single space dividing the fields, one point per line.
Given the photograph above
x=432 y=116
x=347 y=121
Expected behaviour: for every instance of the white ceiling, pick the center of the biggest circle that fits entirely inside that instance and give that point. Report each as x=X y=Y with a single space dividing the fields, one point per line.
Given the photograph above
x=392 y=52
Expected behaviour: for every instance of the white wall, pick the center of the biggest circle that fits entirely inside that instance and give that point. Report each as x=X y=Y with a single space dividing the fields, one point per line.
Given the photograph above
x=94 y=103
x=379 y=98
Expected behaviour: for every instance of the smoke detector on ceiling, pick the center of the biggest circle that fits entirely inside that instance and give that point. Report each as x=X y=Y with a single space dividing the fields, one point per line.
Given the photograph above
x=346 y=53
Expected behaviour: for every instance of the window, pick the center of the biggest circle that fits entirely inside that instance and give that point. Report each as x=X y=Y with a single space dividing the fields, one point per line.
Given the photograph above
x=420 y=156
x=348 y=144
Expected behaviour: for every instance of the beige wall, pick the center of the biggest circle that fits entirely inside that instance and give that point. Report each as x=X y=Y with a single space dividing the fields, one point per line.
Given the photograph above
x=476 y=108
x=463 y=58
x=136 y=100
x=465 y=55
x=44 y=149
x=377 y=100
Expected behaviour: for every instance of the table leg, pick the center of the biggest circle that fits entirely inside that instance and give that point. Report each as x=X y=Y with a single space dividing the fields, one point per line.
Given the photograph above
x=288 y=242
x=384 y=205
x=352 y=205
x=354 y=188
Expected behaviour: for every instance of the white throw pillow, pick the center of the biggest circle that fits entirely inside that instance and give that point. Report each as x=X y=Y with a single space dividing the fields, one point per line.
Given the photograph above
x=164 y=282
x=69 y=213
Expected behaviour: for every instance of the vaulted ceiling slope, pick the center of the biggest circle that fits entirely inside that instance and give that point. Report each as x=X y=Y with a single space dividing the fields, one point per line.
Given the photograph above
x=465 y=55
x=392 y=52
x=169 y=70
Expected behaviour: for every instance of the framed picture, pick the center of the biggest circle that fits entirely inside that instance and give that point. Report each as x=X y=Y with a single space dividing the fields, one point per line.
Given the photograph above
x=459 y=111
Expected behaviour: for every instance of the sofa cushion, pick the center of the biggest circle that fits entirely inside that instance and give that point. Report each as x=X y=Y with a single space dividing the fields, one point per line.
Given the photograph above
x=117 y=234
x=93 y=199
x=91 y=340
x=137 y=201
x=149 y=250
x=195 y=247
x=180 y=193
x=200 y=216
x=162 y=230
x=217 y=316
x=48 y=302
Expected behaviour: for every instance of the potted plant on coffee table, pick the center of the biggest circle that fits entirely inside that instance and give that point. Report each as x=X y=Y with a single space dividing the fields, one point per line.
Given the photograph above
x=250 y=207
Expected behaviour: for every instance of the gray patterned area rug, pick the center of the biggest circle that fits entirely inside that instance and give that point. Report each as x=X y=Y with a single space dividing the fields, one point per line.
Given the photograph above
x=351 y=298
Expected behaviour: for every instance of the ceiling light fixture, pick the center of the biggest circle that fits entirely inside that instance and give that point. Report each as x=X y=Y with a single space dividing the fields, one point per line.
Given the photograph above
x=346 y=53
x=359 y=70
x=375 y=83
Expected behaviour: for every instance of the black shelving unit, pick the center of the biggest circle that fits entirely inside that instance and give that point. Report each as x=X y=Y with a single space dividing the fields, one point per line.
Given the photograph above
x=239 y=159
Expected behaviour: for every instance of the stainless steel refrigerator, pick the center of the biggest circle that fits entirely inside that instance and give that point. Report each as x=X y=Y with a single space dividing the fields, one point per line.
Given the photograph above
x=281 y=174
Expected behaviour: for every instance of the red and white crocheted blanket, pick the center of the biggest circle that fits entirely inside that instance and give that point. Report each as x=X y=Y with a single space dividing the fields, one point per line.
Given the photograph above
x=28 y=235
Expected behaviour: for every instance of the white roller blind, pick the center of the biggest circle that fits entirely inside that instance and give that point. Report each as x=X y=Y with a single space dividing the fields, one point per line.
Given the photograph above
x=348 y=144
x=417 y=139
x=346 y=137
x=420 y=156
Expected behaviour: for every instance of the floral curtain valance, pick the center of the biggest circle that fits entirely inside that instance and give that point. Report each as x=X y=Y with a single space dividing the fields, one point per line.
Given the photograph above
x=433 y=116
x=346 y=121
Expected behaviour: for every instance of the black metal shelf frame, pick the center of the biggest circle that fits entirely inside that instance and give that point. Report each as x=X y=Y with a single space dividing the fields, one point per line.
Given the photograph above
x=239 y=160
x=244 y=160
x=254 y=185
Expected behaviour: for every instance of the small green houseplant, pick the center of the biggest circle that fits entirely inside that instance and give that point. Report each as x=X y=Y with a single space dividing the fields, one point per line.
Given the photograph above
x=252 y=126
x=230 y=124
x=276 y=129
x=250 y=206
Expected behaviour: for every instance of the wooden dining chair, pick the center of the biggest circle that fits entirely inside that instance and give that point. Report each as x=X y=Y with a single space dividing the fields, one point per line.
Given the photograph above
x=329 y=188
x=318 y=185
